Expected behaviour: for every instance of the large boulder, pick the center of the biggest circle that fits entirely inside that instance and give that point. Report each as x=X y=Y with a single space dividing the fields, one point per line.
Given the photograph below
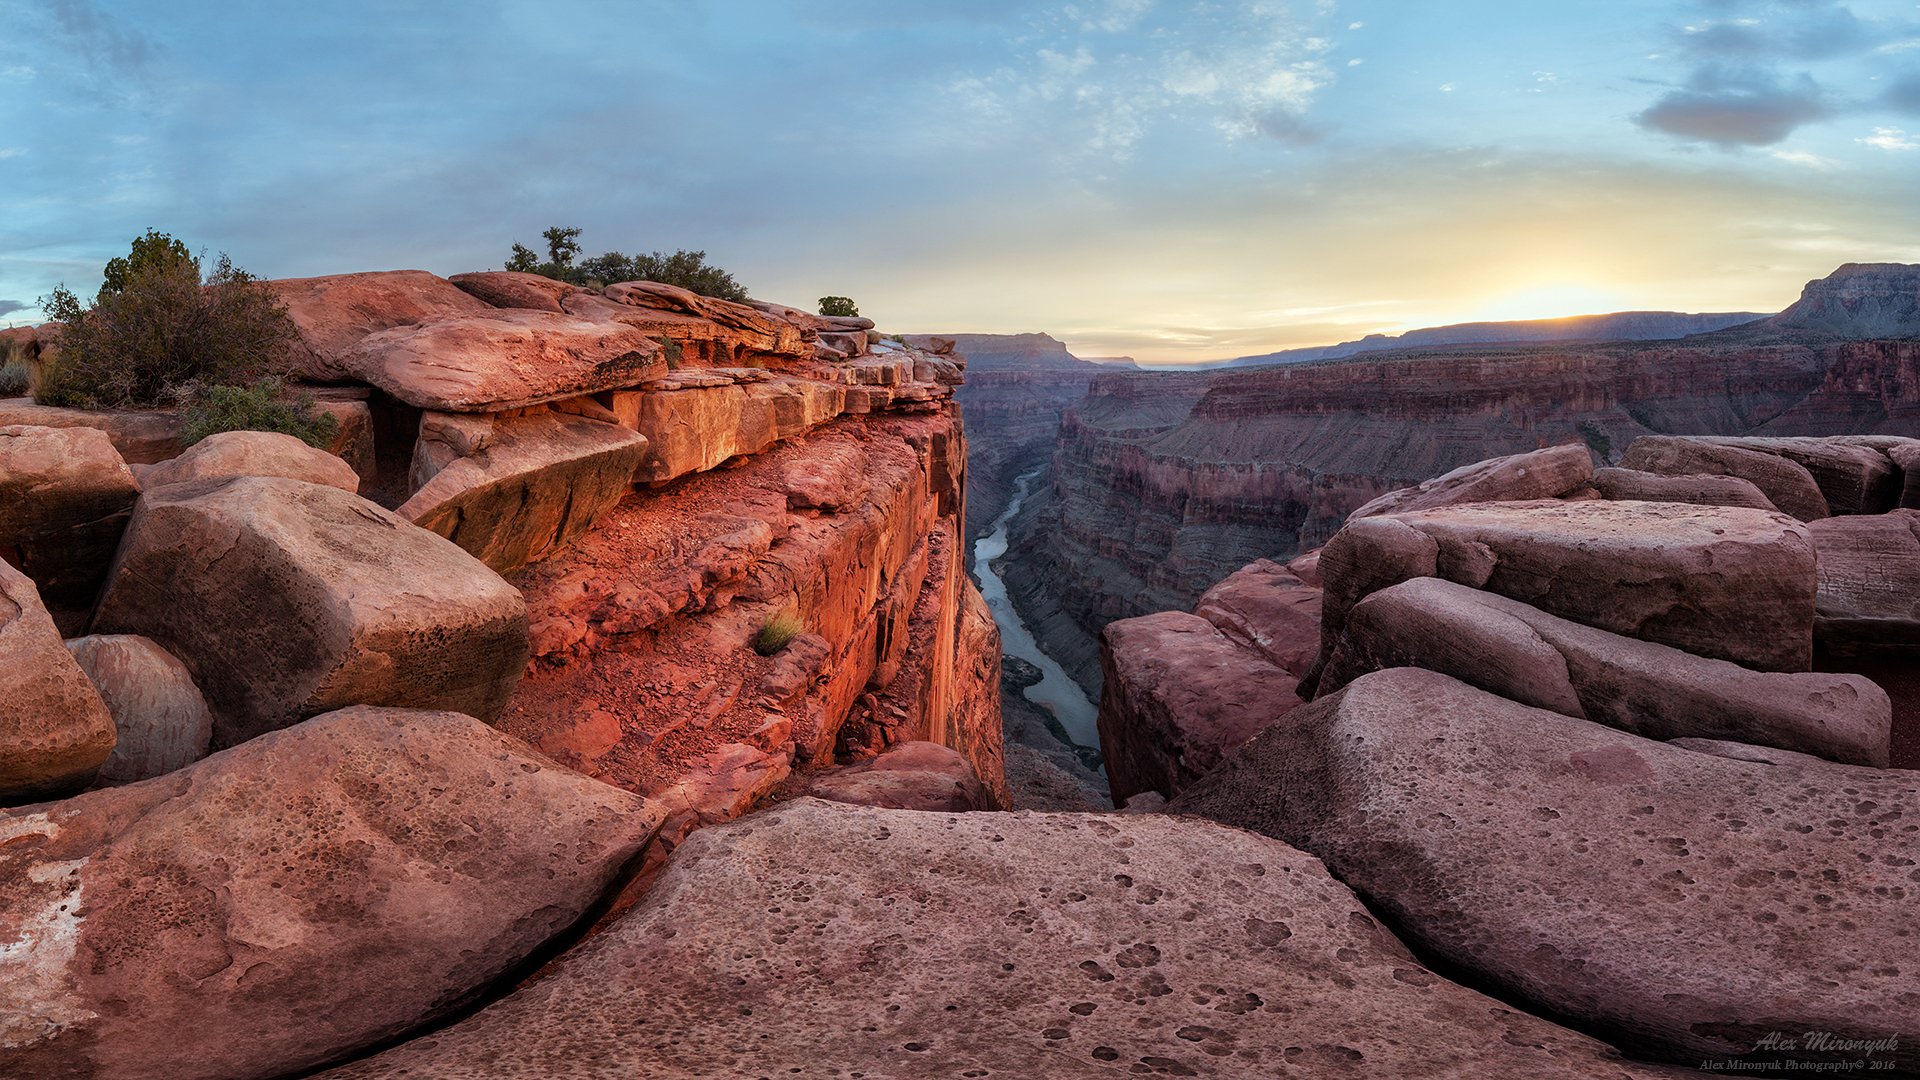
x=513 y=289
x=1267 y=607
x=1786 y=484
x=1632 y=485
x=1177 y=696
x=287 y=903
x=287 y=599
x=1682 y=904
x=1868 y=618
x=835 y=940
x=1854 y=479
x=502 y=359
x=1725 y=582
x=160 y=721
x=252 y=453
x=334 y=313
x=55 y=731
x=534 y=485
x=65 y=497
x=1529 y=656
x=907 y=776
x=1538 y=474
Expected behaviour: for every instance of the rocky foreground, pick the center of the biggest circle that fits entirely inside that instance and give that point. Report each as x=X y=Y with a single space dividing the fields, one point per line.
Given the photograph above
x=609 y=705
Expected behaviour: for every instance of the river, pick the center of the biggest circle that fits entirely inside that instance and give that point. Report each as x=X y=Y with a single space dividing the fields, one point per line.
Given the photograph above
x=1055 y=692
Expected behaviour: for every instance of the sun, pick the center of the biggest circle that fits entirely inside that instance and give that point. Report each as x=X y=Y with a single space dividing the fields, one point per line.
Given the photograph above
x=1550 y=301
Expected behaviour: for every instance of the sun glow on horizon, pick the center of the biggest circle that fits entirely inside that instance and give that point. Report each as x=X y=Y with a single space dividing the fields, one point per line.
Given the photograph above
x=1557 y=300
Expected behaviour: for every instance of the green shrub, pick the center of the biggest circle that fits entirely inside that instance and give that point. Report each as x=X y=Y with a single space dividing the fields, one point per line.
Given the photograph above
x=157 y=327
x=671 y=349
x=685 y=269
x=16 y=379
x=777 y=633
x=839 y=306
x=264 y=405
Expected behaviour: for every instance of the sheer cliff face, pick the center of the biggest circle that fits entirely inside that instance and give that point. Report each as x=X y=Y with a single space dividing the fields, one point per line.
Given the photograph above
x=1163 y=484
x=1858 y=300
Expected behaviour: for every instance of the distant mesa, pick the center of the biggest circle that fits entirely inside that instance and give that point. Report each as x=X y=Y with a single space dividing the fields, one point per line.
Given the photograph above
x=1008 y=352
x=1617 y=326
x=1859 y=300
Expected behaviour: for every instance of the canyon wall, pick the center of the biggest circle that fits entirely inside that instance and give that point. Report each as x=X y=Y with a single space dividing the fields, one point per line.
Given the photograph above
x=1162 y=484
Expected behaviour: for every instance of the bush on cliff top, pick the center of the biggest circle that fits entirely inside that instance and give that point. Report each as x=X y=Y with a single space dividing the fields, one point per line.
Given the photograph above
x=840 y=307
x=686 y=269
x=157 y=329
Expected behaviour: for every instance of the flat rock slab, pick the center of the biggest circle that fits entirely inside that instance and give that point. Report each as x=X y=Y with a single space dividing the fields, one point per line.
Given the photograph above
x=55 y=732
x=287 y=599
x=292 y=901
x=538 y=483
x=823 y=940
x=1524 y=654
x=1681 y=904
x=1726 y=582
x=513 y=289
x=1268 y=608
x=1539 y=474
x=1869 y=594
x=502 y=359
x=1699 y=490
x=160 y=721
x=253 y=453
x=1786 y=484
x=142 y=436
x=65 y=496
x=1178 y=695
x=906 y=776
x=334 y=313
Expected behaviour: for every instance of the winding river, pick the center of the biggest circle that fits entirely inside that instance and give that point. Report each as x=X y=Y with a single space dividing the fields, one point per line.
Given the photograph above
x=1055 y=692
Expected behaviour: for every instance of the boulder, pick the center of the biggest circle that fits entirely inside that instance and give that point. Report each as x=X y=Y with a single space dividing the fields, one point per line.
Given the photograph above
x=846 y=344
x=695 y=428
x=344 y=603
x=1177 y=696
x=538 y=483
x=54 y=730
x=501 y=359
x=1268 y=608
x=1786 y=484
x=1853 y=479
x=336 y=312
x=1540 y=474
x=1726 y=582
x=754 y=330
x=836 y=940
x=1869 y=575
x=1683 y=905
x=1529 y=656
x=65 y=496
x=288 y=903
x=1632 y=485
x=141 y=436
x=513 y=289
x=252 y=453
x=353 y=440
x=906 y=776
x=160 y=721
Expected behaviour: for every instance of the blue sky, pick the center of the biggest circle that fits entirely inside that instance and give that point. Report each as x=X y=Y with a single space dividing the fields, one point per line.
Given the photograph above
x=1176 y=181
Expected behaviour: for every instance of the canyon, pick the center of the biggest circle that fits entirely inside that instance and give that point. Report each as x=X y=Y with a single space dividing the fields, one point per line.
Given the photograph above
x=1161 y=484
x=621 y=691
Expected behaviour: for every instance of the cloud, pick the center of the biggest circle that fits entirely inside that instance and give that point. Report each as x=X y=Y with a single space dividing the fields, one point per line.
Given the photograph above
x=1803 y=159
x=1732 y=109
x=1903 y=96
x=8 y=307
x=101 y=41
x=11 y=152
x=1803 y=30
x=1886 y=138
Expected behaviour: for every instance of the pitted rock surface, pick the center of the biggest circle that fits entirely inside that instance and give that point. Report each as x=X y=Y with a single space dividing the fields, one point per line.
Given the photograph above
x=291 y=901
x=821 y=940
x=1682 y=904
x=160 y=721
x=287 y=599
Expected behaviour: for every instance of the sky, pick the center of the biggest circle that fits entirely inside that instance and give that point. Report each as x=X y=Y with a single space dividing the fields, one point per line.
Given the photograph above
x=1172 y=181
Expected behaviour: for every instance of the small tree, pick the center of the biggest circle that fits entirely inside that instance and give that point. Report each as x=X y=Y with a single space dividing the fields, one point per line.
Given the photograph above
x=839 y=307
x=562 y=246
x=686 y=269
x=157 y=331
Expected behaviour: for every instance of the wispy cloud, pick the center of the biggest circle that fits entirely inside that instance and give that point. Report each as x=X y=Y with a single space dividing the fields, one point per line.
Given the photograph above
x=8 y=307
x=1887 y=138
x=11 y=152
